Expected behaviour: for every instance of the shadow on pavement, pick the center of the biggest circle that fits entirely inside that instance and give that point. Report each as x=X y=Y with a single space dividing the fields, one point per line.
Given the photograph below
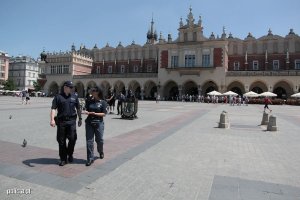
x=49 y=161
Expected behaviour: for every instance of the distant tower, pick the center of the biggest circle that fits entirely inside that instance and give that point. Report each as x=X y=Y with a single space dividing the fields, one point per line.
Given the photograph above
x=73 y=47
x=151 y=35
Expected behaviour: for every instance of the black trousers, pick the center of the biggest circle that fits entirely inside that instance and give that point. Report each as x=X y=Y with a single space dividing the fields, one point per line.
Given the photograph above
x=66 y=130
x=120 y=108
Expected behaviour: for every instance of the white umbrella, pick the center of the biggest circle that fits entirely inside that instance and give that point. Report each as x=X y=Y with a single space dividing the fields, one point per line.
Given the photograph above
x=297 y=95
x=251 y=94
x=214 y=93
x=268 y=94
x=230 y=93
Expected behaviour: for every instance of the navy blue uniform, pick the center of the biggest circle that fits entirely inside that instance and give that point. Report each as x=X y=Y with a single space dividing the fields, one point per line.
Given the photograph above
x=67 y=108
x=94 y=127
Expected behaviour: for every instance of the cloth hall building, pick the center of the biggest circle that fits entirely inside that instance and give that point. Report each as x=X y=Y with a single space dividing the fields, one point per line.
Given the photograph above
x=190 y=64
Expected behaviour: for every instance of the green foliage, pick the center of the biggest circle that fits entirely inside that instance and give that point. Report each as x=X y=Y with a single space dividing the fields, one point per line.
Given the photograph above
x=9 y=85
x=37 y=86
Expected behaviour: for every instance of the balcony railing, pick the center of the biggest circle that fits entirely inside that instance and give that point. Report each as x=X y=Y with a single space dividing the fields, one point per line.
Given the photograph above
x=125 y=75
x=264 y=73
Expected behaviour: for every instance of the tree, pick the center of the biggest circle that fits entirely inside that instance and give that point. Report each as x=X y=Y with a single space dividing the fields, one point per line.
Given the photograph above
x=9 y=85
x=37 y=86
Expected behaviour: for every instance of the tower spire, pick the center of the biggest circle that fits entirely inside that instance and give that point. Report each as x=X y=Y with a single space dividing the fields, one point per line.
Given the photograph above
x=151 y=34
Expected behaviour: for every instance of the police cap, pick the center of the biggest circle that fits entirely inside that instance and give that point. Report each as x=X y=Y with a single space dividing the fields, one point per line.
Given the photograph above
x=69 y=84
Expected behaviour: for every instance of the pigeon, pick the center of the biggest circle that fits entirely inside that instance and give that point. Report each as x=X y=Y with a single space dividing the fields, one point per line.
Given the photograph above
x=24 y=143
x=10 y=116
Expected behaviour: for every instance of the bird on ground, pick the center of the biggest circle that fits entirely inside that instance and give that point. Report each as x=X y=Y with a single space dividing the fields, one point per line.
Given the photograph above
x=24 y=143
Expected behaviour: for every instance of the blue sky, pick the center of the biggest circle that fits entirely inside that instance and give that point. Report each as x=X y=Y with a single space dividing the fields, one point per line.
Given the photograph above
x=28 y=26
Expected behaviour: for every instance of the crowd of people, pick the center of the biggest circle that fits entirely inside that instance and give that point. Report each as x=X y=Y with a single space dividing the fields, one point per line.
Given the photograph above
x=232 y=100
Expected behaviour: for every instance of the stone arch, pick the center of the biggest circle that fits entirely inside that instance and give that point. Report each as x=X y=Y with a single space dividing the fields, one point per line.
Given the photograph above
x=258 y=87
x=283 y=89
x=119 y=86
x=150 y=90
x=135 y=87
x=237 y=87
x=105 y=86
x=170 y=90
x=53 y=89
x=79 y=88
x=209 y=86
x=190 y=88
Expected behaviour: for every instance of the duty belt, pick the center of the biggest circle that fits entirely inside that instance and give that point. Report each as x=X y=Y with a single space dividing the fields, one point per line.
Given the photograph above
x=67 y=118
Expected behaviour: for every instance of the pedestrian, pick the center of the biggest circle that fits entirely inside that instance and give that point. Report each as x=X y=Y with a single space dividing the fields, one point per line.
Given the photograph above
x=267 y=101
x=110 y=101
x=121 y=99
x=68 y=108
x=94 y=124
x=23 y=94
x=157 y=98
x=27 y=97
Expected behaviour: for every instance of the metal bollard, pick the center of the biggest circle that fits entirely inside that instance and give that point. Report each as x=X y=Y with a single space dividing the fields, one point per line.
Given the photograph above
x=265 y=119
x=224 y=120
x=272 y=124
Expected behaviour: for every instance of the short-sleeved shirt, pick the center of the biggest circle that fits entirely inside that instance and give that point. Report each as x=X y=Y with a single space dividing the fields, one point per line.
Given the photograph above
x=97 y=106
x=267 y=101
x=66 y=105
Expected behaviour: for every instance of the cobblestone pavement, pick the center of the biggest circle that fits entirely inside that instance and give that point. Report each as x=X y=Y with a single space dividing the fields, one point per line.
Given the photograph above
x=174 y=150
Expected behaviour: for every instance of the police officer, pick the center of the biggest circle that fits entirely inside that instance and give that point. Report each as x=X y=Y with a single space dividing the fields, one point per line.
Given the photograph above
x=96 y=110
x=67 y=106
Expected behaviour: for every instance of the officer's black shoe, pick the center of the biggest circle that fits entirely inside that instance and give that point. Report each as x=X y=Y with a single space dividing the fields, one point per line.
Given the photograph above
x=70 y=159
x=62 y=163
x=101 y=155
x=89 y=162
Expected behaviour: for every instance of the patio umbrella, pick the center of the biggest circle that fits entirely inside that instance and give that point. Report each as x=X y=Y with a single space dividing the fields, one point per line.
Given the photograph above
x=251 y=94
x=268 y=94
x=297 y=95
x=214 y=93
x=230 y=93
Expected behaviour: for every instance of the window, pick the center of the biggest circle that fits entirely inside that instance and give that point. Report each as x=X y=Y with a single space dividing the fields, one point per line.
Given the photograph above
x=122 y=69
x=174 y=61
x=59 y=69
x=255 y=65
x=66 y=69
x=109 y=70
x=189 y=61
x=236 y=65
x=206 y=60
x=185 y=37
x=275 y=64
x=149 y=68
x=53 y=70
x=195 y=36
x=135 y=68
x=297 y=64
x=98 y=70
x=29 y=74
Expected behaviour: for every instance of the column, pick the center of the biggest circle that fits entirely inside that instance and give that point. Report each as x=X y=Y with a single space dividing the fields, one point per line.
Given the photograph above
x=180 y=92
x=142 y=93
x=199 y=90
